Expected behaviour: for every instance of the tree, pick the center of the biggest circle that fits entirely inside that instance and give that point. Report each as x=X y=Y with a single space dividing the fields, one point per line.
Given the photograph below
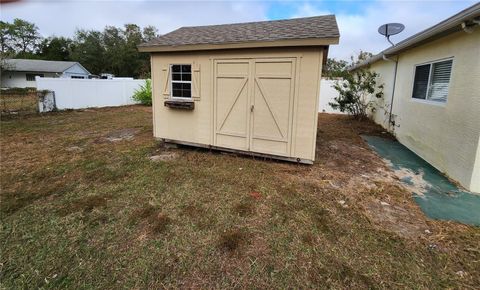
x=356 y=91
x=5 y=37
x=149 y=33
x=334 y=68
x=113 y=50
x=55 y=48
x=361 y=57
x=89 y=50
x=24 y=36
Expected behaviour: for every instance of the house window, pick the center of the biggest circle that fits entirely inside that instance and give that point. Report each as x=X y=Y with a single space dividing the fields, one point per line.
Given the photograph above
x=31 y=77
x=432 y=80
x=181 y=80
x=77 y=77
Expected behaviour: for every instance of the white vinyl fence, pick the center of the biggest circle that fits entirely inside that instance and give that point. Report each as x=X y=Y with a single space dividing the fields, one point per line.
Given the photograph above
x=327 y=94
x=88 y=93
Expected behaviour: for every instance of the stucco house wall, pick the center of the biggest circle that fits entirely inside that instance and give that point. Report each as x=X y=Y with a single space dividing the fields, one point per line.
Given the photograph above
x=444 y=134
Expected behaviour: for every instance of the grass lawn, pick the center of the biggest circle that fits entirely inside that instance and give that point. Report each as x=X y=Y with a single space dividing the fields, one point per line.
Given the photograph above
x=84 y=206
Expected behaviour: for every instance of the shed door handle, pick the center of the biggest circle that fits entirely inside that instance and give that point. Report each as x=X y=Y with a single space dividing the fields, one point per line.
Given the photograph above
x=251 y=108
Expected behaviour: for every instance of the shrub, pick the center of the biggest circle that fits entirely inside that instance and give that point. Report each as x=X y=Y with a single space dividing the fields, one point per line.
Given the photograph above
x=144 y=94
x=355 y=93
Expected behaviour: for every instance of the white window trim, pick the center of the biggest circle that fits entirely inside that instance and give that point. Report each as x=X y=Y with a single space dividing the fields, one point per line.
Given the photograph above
x=426 y=100
x=183 y=82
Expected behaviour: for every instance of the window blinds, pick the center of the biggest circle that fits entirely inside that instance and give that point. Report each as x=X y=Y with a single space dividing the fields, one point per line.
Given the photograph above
x=439 y=81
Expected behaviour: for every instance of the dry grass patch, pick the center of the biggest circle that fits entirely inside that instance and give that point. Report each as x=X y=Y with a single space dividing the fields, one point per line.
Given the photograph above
x=209 y=220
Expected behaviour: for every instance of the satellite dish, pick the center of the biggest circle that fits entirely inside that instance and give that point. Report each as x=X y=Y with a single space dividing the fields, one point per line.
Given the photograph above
x=390 y=29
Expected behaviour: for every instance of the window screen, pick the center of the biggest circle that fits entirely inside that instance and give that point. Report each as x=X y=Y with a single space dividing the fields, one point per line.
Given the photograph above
x=432 y=80
x=181 y=81
x=420 y=85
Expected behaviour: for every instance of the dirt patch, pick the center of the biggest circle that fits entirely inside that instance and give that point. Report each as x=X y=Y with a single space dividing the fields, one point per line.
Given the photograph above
x=361 y=178
x=122 y=134
x=164 y=156
x=396 y=219
x=232 y=240
x=74 y=149
x=151 y=218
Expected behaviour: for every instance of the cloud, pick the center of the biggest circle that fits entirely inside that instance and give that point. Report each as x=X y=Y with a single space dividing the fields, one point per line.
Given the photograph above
x=63 y=17
x=357 y=20
x=358 y=30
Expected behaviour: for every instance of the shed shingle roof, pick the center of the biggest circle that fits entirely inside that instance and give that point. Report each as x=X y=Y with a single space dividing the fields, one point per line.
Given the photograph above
x=318 y=27
x=35 y=65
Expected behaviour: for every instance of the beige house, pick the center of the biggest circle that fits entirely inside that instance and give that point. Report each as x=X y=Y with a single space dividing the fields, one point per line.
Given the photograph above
x=247 y=87
x=432 y=81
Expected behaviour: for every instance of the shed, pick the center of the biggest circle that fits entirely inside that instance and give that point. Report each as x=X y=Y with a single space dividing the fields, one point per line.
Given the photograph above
x=246 y=87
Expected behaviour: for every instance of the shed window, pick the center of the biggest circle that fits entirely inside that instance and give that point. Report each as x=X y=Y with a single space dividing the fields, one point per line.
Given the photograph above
x=181 y=80
x=77 y=77
x=432 y=80
x=31 y=77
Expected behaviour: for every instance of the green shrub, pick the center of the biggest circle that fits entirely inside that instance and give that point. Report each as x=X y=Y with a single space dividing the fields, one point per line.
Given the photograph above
x=355 y=92
x=144 y=94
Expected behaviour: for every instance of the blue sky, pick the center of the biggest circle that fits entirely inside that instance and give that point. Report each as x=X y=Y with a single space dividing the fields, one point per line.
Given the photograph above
x=357 y=20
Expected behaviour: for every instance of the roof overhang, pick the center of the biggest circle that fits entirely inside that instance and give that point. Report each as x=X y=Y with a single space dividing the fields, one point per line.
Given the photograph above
x=444 y=28
x=263 y=44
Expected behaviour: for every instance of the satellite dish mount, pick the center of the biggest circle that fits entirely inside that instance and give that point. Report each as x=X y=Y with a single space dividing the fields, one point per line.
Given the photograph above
x=390 y=29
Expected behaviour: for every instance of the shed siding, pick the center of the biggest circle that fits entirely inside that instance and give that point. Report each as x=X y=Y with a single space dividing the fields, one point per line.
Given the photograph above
x=197 y=126
x=445 y=135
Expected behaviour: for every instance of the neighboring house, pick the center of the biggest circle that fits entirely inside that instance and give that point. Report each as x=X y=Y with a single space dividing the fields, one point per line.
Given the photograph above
x=246 y=87
x=21 y=73
x=435 y=92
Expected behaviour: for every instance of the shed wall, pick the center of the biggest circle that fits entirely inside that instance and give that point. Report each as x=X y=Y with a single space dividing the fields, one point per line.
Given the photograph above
x=446 y=135
x=197 y=126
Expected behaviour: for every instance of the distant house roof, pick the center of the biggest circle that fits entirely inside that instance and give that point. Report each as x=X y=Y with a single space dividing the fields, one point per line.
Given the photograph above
x=453 y=24
x=212 y=36
x=35 y=65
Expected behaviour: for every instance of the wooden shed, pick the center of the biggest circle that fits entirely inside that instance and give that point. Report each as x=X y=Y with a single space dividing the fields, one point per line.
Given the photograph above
x=246 y=87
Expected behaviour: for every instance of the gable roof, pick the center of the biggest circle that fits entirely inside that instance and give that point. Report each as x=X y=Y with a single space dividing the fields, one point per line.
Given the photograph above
x=35 y=65
x=445 y=27
x=213 y=36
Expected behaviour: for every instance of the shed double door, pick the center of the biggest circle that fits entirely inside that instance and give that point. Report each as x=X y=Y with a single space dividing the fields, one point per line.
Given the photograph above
x=253 y=104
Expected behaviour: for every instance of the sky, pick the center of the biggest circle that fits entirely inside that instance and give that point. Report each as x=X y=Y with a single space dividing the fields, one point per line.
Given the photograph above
x=357 y=20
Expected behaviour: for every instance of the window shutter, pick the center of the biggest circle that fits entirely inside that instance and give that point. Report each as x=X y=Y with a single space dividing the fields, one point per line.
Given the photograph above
x=166 y=82
x=196 y=82
x=439 y=81
x=420 y=85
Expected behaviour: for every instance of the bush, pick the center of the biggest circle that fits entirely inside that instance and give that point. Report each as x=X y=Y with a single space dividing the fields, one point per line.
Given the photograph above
x=144 y=94
x=356 y=91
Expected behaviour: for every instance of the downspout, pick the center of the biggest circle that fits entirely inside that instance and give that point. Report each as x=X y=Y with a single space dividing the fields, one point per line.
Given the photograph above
x=393 y=88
